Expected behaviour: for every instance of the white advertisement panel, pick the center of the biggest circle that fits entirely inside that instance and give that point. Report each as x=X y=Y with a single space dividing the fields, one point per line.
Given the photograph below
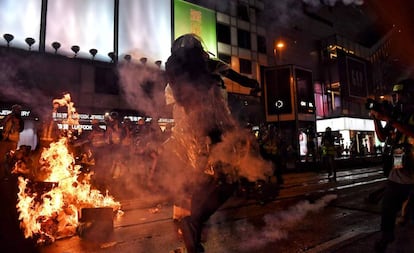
x=145 y=29
x=22 y=20
x=87 y=24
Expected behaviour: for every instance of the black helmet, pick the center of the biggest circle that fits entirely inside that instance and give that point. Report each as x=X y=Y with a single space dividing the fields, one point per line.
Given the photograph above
x=403 y=93
x=404 y=86
x=114 y=115
x=187 y=41
x=16 y=108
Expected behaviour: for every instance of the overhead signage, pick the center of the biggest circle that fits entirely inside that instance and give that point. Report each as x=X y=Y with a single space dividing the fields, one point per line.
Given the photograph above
x=74 y=127
x=5 y=112
x=85 y=117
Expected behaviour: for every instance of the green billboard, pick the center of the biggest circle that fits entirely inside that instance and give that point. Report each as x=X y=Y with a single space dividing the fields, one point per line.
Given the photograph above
x=191 y=18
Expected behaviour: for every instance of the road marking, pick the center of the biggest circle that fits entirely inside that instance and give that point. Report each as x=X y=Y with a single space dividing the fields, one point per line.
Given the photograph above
x=359 y=183
x=329 y=244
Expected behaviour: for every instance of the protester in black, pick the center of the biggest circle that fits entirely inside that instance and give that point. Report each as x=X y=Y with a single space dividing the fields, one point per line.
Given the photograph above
x=201 y=119
x=12 y=125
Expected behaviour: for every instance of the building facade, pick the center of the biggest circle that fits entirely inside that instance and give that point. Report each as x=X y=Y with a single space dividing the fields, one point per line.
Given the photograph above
x=77 y=47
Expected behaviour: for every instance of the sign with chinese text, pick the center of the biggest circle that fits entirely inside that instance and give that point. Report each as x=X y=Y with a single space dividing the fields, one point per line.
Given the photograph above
x=191 y=18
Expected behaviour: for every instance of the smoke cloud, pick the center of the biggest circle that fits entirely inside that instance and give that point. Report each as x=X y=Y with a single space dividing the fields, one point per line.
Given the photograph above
x=12 y=88
x=277 y=224
x=284 y=13
x=143 y=88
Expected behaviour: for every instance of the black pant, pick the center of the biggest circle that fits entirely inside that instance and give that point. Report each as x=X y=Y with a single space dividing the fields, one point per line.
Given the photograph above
x=206 y=199
x=394 y=196
x=278 y=170
x=329 y=165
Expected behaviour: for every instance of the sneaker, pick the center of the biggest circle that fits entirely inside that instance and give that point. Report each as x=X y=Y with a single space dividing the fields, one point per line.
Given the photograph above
x=200 y=248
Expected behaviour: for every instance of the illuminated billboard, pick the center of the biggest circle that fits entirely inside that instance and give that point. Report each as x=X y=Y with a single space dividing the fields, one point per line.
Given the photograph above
x=191 y=18
x=87 y=24
x=22 y=20
x=145 y=29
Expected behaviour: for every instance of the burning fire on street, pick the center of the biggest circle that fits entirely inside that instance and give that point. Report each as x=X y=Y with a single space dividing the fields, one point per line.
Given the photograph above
x=49 y=209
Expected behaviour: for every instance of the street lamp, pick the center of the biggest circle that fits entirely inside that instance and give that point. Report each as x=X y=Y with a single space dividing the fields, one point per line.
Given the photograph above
x=30 y=42
x=75 y=49
x=143 y=60
x=277 y=50
x=127 y=57
x=8 y=37
x=158 y=63
x=112 y=56
x=56 y=46
x=93 y=52
x=278 y=46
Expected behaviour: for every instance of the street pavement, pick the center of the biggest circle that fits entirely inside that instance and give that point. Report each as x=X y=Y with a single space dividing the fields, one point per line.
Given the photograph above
x=147 y=226
x=364 y=243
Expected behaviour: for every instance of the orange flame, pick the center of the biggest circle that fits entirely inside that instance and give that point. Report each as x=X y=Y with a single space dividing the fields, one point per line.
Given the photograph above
x=72 y=119
x=54 y=214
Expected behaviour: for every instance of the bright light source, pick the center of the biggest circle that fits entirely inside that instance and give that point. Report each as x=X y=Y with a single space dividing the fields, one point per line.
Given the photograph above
x=280 y=44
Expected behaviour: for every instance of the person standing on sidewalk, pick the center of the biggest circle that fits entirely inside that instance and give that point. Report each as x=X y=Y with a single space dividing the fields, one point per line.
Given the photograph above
x=328 y=153
x=400 y=184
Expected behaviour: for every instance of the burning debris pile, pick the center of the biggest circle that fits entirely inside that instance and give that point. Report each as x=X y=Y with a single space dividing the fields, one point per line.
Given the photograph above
x=49 y=209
